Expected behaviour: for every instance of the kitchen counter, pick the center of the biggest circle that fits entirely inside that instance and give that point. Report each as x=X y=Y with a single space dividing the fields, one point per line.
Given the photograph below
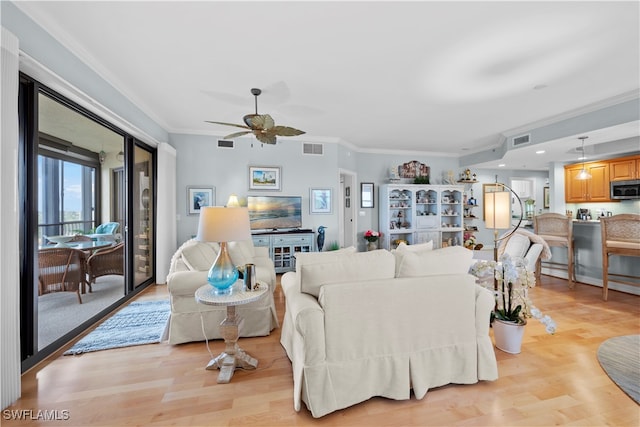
x=587 y=241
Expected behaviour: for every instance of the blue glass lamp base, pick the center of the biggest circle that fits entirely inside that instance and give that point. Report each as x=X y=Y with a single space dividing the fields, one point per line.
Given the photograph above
x=223 y=274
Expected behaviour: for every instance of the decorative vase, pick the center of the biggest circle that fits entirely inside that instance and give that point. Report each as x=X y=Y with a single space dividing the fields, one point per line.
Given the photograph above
x=372 y=246
x=508 y=335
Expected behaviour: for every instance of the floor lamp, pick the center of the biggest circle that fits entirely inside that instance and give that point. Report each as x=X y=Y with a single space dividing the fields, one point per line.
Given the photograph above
x=222 y=225
x=497 y=213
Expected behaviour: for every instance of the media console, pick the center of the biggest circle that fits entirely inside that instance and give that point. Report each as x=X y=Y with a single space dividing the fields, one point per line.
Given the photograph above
x=283 y=245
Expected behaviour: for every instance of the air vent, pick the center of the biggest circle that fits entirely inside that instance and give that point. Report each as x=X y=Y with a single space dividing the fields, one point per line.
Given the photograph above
x=313 y=149
x=225 y=143
x=522 y=139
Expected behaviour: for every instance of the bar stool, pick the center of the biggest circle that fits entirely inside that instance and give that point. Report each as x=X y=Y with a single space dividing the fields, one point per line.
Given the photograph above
x=620 y=236
x=556 y=230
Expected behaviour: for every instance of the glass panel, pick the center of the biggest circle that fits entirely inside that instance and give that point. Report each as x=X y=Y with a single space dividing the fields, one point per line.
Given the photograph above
x=143 y=216
x=76 y=156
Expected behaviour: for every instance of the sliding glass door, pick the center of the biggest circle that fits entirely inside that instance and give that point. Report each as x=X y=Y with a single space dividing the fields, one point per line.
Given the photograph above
x=87 y=192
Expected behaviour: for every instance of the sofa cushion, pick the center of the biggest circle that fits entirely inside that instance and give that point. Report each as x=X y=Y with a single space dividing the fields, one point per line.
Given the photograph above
x=241 y=252
x=517 y=246
x=317 y=269
x=199 y=256
x=415 y=248
x=449 y=260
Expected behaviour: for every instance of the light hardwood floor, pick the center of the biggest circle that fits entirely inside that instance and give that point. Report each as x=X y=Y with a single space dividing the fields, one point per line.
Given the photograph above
x=556 y=380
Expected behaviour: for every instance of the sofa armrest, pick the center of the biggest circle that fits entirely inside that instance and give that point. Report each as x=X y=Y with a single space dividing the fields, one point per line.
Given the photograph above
x=186 y=282
x=532 y=256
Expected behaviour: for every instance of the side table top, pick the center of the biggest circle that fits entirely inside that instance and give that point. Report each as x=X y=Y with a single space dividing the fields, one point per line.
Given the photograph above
x=238 y=296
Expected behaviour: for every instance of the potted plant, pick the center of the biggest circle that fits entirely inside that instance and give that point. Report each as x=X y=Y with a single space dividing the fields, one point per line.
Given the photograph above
x=513 y=306
x=372 y=237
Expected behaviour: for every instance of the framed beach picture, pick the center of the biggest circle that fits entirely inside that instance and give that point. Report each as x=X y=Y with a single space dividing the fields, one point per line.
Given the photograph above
x=198 y=197
x=320 y=201
x=265 y=178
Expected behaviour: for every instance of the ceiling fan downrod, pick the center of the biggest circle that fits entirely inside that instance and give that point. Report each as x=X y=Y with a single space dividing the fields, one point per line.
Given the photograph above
x=255 y=92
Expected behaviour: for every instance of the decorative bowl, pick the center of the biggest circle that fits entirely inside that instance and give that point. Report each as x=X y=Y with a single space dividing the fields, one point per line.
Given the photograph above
x=60 y=241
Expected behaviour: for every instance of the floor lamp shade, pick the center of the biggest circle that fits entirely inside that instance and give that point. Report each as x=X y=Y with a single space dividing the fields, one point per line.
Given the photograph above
x=497 y=210
x=218 y=224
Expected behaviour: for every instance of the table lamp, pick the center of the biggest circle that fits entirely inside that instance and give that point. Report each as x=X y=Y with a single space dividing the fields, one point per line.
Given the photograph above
x=222 y=225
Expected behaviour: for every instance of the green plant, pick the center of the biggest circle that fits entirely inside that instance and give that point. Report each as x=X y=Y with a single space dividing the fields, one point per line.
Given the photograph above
x=333 y=246
x=421 y=180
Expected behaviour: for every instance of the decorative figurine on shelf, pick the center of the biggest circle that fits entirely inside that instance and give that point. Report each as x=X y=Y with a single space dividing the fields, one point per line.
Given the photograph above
x=467 y=174
x=320 y=239
x=472 y=200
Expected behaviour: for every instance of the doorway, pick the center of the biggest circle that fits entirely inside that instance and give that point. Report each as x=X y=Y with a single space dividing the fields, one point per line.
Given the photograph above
x=348 y=202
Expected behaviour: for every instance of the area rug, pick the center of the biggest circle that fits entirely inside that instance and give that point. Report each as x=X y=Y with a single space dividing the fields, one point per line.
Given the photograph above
x=138 y=323
x=620 y=359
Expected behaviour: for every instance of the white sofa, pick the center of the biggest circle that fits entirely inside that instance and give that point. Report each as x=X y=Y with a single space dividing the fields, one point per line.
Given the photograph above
x=188 y=272
x=377 y=323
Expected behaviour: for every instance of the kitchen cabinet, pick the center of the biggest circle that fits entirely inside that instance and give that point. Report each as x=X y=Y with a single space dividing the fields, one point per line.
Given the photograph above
x=624 y=169
x=594 y=189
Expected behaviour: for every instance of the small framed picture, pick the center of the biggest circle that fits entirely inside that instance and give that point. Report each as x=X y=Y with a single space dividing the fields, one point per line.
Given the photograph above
x=347 y=191
x=199 y=196
x=546 y=197
x=320 y=201
x=347 y=202
x=265 y=178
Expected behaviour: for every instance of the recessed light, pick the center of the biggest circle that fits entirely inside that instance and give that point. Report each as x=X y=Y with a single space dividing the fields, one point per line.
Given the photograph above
x=540 y=152
x=501 y=165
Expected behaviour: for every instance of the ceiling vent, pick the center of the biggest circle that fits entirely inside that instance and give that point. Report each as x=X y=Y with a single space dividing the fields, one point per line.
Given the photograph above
x=313 y=149
x=521 y=140
x=223 y=143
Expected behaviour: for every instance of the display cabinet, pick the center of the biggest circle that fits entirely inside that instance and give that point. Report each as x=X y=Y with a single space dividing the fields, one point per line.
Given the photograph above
x=417 y=213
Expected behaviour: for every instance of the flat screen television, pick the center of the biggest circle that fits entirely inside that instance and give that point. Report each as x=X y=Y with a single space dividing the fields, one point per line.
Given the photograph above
x=275 y=212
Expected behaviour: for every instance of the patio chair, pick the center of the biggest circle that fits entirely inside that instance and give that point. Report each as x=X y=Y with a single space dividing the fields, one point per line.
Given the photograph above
x=105 y=262
x=61 y=270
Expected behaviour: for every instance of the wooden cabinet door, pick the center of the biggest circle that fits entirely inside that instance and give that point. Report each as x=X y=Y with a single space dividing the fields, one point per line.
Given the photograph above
x=622 y=170
x=575 y=190
x=598 y=185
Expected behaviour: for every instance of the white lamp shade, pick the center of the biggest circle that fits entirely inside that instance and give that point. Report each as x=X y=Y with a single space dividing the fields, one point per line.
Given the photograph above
x=233 y=201
x=497 y=210
x=218 y=224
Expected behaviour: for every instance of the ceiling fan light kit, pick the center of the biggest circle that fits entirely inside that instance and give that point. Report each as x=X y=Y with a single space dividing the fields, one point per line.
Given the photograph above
x=262 y=126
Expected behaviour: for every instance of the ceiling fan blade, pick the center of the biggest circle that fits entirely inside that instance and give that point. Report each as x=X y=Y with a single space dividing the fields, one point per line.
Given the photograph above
x=259 y=121
x=237 y=134
x=265 y=138
x=286 y=131
x=228 y=124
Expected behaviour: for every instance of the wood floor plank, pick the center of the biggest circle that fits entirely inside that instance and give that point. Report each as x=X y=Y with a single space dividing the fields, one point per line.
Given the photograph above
x=556 y=380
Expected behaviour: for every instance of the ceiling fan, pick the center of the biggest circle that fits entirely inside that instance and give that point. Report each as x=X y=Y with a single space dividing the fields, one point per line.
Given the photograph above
x=261 y=125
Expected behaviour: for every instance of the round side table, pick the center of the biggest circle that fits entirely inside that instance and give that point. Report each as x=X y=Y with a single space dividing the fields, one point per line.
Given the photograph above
x=233 y=356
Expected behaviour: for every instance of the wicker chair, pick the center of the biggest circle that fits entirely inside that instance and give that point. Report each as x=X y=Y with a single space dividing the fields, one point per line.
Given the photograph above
x=61 y=270
x=620 y=236
x=105 y=262
x=556 y=230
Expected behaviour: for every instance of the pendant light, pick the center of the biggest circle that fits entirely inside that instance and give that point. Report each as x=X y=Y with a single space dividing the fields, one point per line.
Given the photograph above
x=583 y=173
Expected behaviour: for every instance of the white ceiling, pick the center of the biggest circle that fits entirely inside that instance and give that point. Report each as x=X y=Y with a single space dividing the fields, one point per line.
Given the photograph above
x=450 y=78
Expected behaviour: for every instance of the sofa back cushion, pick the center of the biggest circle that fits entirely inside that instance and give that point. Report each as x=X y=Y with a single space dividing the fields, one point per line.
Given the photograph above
x=428 y=246
x=449 y=260
x=314 y=269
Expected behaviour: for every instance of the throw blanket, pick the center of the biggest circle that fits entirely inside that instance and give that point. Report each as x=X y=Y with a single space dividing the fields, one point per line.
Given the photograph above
x=534 y=238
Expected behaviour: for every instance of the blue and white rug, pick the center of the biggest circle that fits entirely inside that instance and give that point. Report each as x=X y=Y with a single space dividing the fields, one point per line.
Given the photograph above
x=138 y=323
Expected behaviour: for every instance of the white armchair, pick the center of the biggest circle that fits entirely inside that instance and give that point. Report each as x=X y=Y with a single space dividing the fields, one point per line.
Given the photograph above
x=188 y=272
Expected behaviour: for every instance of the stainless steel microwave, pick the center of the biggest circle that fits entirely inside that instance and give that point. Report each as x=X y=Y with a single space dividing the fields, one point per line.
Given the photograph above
x=625 y=190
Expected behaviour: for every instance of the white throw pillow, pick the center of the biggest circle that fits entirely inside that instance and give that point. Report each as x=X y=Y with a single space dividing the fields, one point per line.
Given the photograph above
x=314 y=270
x=241 y=252
x=199 y=256
x=449 y=260
x=517 y=246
